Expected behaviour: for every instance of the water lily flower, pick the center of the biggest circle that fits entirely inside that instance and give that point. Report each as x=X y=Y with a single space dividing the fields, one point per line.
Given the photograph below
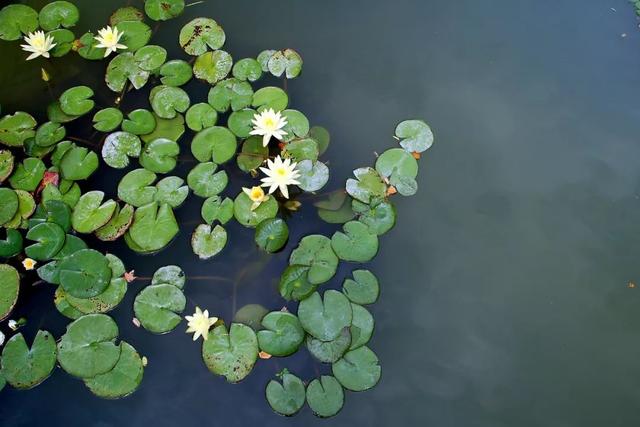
x=268 y=124
x=1 y=338
x=280 y=174
x=29 y=264
x=13 y=325
x=38 y=44
x=200 y=323
x=257 y=196
x=109 y=39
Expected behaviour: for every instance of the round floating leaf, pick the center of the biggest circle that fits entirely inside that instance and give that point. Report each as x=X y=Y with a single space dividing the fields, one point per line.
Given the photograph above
x=55 y=211
x=50 y=273
x=247 y=69
x=160 y=155
x=380 y=218
x=6 y=164
x=358 y=370
x=286 y=61
x=151 y=57
x=297 y=125
x=405 y=185
x=230 y=93
x=286 y=398
x=251 y=218
x=207 y=242
x=205 y=181
x=87 y=348
x=329 y=351
x=86 y=46
x=216 y=143
x=123 y=379
x=10 y=247
x=170 y=275
x=58 y=14
x=16 y=20
x=90 y=213
x=18 y=127
x=64 y=42
x=200 y=34
x=163 y=10
x=139 y=122
x=271 y=234
x=263 y=59
x=135 y=187
x=303 y=149
x=231 y=354
x=153 y=227
x=216 y=209
x=175 y=73
x=116 y=265
x=103 y=303
x=25 y=367
x=168 y=100
x=200 y=116
x=128 y=13
x=241 y=124
x=72 y=244
x=77 y=101
x=49 y=133
x=78 y=163
x=212 y=66
x=356 y=243
x=166 y=128
x=321 y=136
x=315 y=252
x=362 y=326
x=270 y=97
x=313 y=175
x=62 y=305
x=50 y=238
x=282 y=334
x=122 y=68
x=171 y=191
x=367 y=187
x=415 y=135
x=117 y=148
x=325 y=319
x=8 y=204
x=27 y=175
x=136 y=34
x=253 y=153
x=9 y=289
x=117 y=225
x=107 y=119
x=363 y=289
x=294 y=284
x=325 y=396
x=397 y=160
x=251 y=315
x=85 y=273
x=158 y=308
x=26 y=207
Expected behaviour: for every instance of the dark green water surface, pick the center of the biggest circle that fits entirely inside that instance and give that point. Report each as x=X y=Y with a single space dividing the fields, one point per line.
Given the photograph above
x=505 y=297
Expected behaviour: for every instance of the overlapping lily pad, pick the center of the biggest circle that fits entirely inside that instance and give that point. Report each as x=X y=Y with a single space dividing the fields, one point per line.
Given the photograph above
x=287 y=62
x=135 y=187
x=107 y=119
x=217 y=209
x=329 y=351
x=231 y=354
x=201 y=116
x=286 y=398
x=27 y=174
x=78 y=163
x=104 y=302
x=160 y=155
x=171 y=190
x=163 y=10
x=124 y=68
x=24 y=367
x=212 y=66
x=315 y=252
x=154 y=227
x=325 y=317
x=11 y=245
x=85 y=273
x=136 y=34
x=282 y=334
x=215 y=143
x=362 y=326
x=167 y=101
x=294 y=284
x=358 y=370
x=368 y=186
x=325 y=396
x=50 y=239
x=356 y=243
x=251 y=218
x=123 y=379
x=158 y=307
x=206 y=181
x=6 y=164
x=230 y=93
x=90 y=213
x=169 y=274
x=117 y=225
x=58 y=14
x=139 y=122
x=175 y=73
x=270 y=97
x=272 y=234
x=9 y=289
x=247 y=69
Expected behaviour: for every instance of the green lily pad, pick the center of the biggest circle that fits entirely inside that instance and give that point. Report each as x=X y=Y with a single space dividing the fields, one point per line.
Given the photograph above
x=86 y=48
x=104 y=302
x=367 y=187
x=27 y=174
x=64 y=41
x=325 y=318
x=139 y=122
x=135 y=34
x=207 y=242
x=135 y=187
x=166 y=128
x=18 y=127
x=313 y=175
x=50 y=239
x=303 y=149
x=415 y=135
x=251 y=218
x=6 y=164
x=215 y=143
x=58 y=14
x=175 y=73
x=122 y=68
x=88 y=347
x=127 y=13
x=201 y=116
x=78 y=163
x=10 y=247
x=329 y=351
x=216 y=209
x=163 y=10
x=270 y=97
x=55 y=211
x=25 y=367
x=32 y=149
x=49 y=133
x=8 y=204
x=116 y=265
x=205 y=181
x=241 y=124
x=271 y=234
x=397 y=160
x=171 y=191
x=297 y=125
x=230 y=93
x=123 y=379
x=154 y=227
x=405 y=185
x=315 y=252
x=282 y=334
x=107 y=119
x=321 y=136
x=231 y=354
x=85 y=273
x=169 y=100
x=253 y=153
x=251 y=315
x=77 y=101
x=160 y=155
x=294 y=284
x=356 y=243
x=158 y=308
x=247 y=69
x=117 y=225
x=358 y=370
x=16 y=20
x=362 y=326
x=363 y=288
x=201 y=34
x=212 y=66
x=380 y=217
x=264 y=57
x=150 y=57
x=9 y=289
x=286 y=61
x=286 y=398
x=118 y=147
x=72 y=244
x=26 y=207
x=325 y=396
x=90 y=213
x=170 y=275
x=62 y=305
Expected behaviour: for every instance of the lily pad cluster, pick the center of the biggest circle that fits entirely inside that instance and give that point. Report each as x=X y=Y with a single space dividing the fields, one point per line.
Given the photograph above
x=158 y=306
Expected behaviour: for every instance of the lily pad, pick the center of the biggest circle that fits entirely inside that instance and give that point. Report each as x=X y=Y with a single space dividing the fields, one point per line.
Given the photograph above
x=207 y=242
x=166 y=128
x=64 y=41
x=264 y=57
x=247 y=69
x=287 y=62
x=72 y=244
x=231 y=354
x=158 y=308
x=313 y=175
x=358 y=370
x=77 y=101
x=169 y=100
x=367 y=187
x=62 y=305
x=139 y=122
x=201 y=34
x=212 y=66
x=116 y=265
x=104 y=302
x=16 y=20
x=315 y=252
x=8 y=204
x=160 y=155
x=88 y=347
x=122 y=68
x=356 y=243
x=405 y=185
x=363 y=288
x=55 y=211
x=325 y=318
x=118 y=147
x=50 y=239
x=175 y=73
x=321 y=136
x=127 y=13
x=154 y=227
x=163 y=10
x=329 y=351
x=107 y=119
x=150 y=57
x=380 y=217
x=9 y=289
x=27 y=174
x=282 y=334
x=171 y=191
x=251 y=218
x=49 y=133
x=135 y=34
x=397 y=160
x=270 y=97
x=86 y=48
x=17 y=127
x=26 y=207
x=230 y=93
x=215 y=143
x=135 y=187
x=6 y=164
x=25 y=367
x=201 y=116
x=303 y=149
x=10 y=247
x=362 y=326
x=205 y=181
x=117 y=225
x=286 y=398
x=271 y=234
x=294 y=284
x=123 y=379
x=170 y=275
x=297 y=125
x=58 y=14
x=90 y=213
x=415 y=135
x=251 y=315
x=253 y=153
x=78 y=163
x=216 y=209
x=85 y=273
x=325 y=396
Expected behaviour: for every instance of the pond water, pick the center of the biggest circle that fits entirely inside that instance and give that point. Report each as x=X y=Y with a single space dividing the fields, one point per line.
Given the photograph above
x=505 y=284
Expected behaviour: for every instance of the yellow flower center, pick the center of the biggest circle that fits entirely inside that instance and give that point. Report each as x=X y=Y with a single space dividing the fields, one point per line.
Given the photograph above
x=257 y=193
x=109 y=38
x=269 y=123
x=281 y=171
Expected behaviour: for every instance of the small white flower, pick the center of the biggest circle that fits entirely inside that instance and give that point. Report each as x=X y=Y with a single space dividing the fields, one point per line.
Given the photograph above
x=268 y=124
x=279 y=175
x=109 y=39
x=38 y=44
x=13 y=325
x=257 y=196
x=29 y=264
x=200 y=323
x=1 y=338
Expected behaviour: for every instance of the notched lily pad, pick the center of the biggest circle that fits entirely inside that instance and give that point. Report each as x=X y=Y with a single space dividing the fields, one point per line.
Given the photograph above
x=282 y=334
x=358 y=370
x=325 y=396
x=325 y=318
x=118 y=147
x=207 y=242
x=286 y=398
x=9 y=289
x=356 y=243
x=231 y=354
x=24 y=367
x=201 y=34
x=414 y=135
x=123 y=379
x=158 y=307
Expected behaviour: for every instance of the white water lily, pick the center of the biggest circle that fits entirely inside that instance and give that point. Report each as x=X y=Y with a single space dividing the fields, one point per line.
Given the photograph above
x=13 y=325
x=109 y=38
x=200 y=323
x=280 y=174
x=29 y=264
x=268 y=124
x=38 y=44
x=1 y=338
x=257 y=196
